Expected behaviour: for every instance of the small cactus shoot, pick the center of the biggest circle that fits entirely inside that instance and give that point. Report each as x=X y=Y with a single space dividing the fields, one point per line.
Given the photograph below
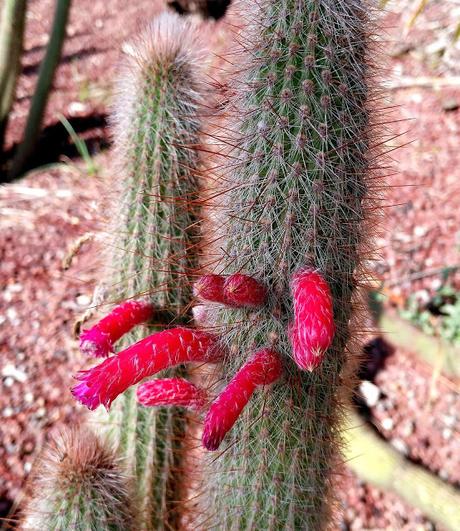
x=80 y=483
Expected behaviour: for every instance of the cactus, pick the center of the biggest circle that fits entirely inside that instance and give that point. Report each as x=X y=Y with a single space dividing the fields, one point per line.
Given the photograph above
x=156 y=128
x=11 y=44
x=80 y=485
x=42 y=90
x=297 y=199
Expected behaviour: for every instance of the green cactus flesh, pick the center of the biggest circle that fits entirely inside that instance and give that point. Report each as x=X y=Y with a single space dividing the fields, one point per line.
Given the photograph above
x=296 y=197
x=156 y=129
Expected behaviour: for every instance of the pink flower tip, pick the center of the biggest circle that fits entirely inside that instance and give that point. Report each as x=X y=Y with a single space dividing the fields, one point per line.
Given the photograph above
x=96 y=343
x=82 y=392
x=244 y=291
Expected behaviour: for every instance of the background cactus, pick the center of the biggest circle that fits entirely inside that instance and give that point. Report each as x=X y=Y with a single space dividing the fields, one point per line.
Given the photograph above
x=11 y=43
x=80 y=484
x=297 y=196
x=156 y=128
x=42 y=90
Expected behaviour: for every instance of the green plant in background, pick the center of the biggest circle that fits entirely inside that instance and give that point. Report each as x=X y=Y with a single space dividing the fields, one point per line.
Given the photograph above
x=11 y=44
x=80 y=144
x=42 y=89
x=440 y=317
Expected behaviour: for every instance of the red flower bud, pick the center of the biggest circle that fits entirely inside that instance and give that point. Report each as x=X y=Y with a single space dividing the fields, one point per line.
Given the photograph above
x=171 y=392
x=210 y=288
x=244 y=291
x=313 y=329
x=263 y=368
x=98 y=341
x=103 y=383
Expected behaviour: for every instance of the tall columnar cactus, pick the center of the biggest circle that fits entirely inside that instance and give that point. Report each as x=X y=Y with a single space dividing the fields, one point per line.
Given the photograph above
x=156 y=128
x=296 y=206
x=80 y=484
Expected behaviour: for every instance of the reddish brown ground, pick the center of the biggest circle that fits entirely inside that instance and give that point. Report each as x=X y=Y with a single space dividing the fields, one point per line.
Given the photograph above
x=44 y=213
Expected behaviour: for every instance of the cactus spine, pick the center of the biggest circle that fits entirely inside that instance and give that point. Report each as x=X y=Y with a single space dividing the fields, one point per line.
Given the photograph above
x=80 y=485
x=296 y=197
x=156 y=127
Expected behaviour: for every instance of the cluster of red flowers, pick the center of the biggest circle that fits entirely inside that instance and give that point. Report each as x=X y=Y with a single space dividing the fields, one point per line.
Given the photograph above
x=311 y=334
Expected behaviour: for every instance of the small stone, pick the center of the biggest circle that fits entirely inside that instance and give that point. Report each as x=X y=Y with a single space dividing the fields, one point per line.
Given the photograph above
x=76 y=107
x=447 y=433
x=27 y=467
x=15 y=288
x=12 y=316
x=443 y=474
x=408 y=428
x=450 y=104
x=370 y=393
x=83 y=300
x=8 y=382
x=449 y=420
x=40 y=413
x=387 y=424
x=15 y=373
x=28 y=398
x=400 y=446
x=8 y=412
x=420 y=231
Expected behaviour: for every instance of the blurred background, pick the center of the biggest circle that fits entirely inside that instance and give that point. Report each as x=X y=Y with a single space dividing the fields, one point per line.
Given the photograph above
x=56 y=164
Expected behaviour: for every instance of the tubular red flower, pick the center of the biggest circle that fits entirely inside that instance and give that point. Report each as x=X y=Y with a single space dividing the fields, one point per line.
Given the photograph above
x=263 y=368
x=98 y=341
x=244 y=291
x=313 y=329
x=171 y=392
x=210 y=288
x=103 y=383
